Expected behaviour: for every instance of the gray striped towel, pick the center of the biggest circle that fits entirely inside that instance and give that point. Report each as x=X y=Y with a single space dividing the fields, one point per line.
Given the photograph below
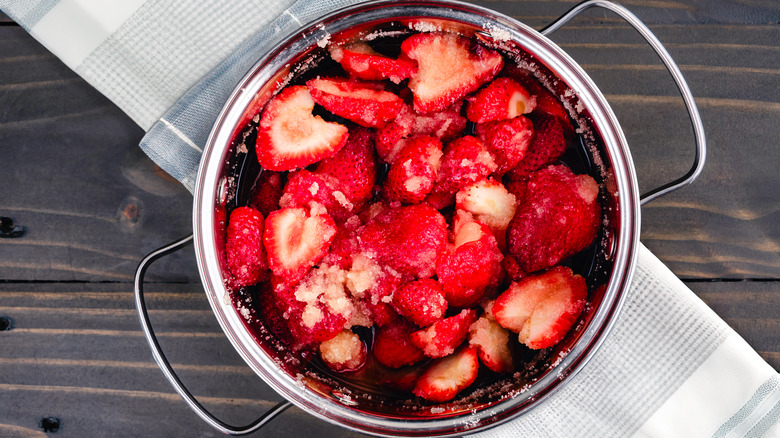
x=669 y=368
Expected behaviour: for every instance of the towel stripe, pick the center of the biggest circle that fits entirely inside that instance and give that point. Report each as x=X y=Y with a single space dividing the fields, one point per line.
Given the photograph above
x=763 y=405
x=72 y=29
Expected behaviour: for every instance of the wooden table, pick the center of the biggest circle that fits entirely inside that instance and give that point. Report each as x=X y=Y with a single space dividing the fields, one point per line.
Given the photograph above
x=93 y=205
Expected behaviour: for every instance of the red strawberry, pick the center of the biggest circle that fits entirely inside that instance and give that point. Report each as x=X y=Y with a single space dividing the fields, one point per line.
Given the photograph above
x=471 y=267
x=546 y=103
x=448 y=376
x=267 y=191
x=444 y=125
x=558 y=217
x=354 y=167
x=344 y=244
x=361 y=61
x=507 y=140
x=421 y=302
x=492 y=344
x=542 y=308
x=302 y=324
x=465 y=161
x=344 y=352
x=366 y=104
x=290 y=137
x=405 y=239
x=489 y=202
x=449 y=67
x=547 y=145
x=305 y=189
x=296 y=239
x=392 y=347
x=444 y=336
x=413 y=173
x=246 y=257
x=500 y=100
x=378 y=299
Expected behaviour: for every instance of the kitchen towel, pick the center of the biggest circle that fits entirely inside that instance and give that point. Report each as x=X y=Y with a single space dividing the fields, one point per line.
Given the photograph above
x=670 y=366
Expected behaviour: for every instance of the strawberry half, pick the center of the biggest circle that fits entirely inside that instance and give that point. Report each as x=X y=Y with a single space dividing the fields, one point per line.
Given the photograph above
x=444 y=125
x=354 y=167
x=446 y=377
x=449 y=67
x=507 y=140
x=421 y=302
x=471 y=267
x=366 y=104
x=392 y=346
x=465 y=161
x=405 y=239
x=413 y=172
x=295 y=240
x=489 y=202
x=558 y=217
x=500 y=100
x=290 y=136
x=444 y=336
x=542 y=308
x=344 y=352
x=492 y=344
x=246 y=257
x=361 y=61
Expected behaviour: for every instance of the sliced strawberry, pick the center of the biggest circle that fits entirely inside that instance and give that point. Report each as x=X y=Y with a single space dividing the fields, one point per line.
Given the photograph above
x=546 y=102
x=392 y=346
x=501 y=99
x=448 y=376
x=507 y=140
x=444 y=125
x=405 y=239
x=449 y=67
x=465 y=161
x=490 y=203
x=361 y=61
x=413 y=173
x=444 y=336
x=290 y=136
x=547 y=145
x=344 y=244
x=246 y=257
x=344 y=352
x=267 y=191
x=366 y=104
x=471 y=267
x=492 y=344
x=421 y=302
x=354 y=167
x=558 y=217
x=542 y=308
x=296 y=239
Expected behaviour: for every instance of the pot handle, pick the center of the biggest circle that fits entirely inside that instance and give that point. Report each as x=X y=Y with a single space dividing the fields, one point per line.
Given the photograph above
x=671 y=66
x=165 y=366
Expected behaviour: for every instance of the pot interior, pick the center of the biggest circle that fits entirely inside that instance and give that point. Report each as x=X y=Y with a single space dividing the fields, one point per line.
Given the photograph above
x=364 y=401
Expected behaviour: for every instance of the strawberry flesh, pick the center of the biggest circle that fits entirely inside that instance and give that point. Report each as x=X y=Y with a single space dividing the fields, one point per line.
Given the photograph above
x=393 y=347
x=542 y=308
x=422 y=302
x=366 y=104
x=448 y=376
x=289 y=136
x=444 y=125
x=449 y=67
x=296 y=239
x=507 y=140
x=501 y=99
x=444 y=336
x=492 y=344
x=361 y=61
x=412 y=175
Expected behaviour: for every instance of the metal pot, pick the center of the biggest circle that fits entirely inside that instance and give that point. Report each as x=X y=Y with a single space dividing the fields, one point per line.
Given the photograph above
x=219 y=184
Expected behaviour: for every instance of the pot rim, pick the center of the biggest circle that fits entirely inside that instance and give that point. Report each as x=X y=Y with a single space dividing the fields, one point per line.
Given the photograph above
x=211 y=189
